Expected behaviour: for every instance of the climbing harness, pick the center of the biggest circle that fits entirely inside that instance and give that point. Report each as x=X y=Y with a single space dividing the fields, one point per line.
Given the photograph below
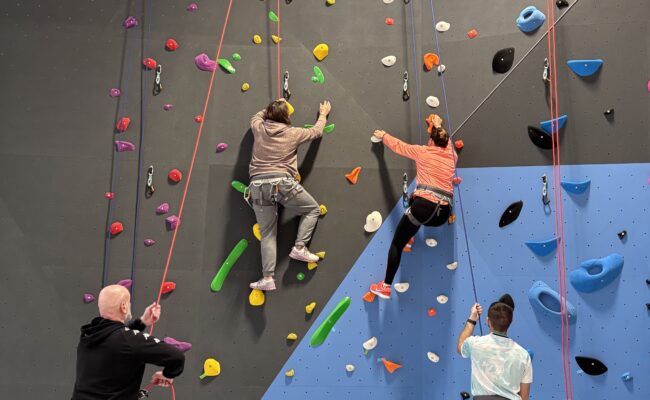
x=405 y=189
x=546 y=76
x=286 y=93
x=414 y=221
x=157 y=84
x=545 y=199
x=150 y=189
x=405 y=88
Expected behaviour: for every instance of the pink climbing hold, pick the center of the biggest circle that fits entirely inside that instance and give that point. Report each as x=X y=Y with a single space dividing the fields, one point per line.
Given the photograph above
x=192 y=7
x=109 y=195
x=221 y=147
x=648 y=86
x=162 y=209
x=130 y=22
x=149 y=242
x=204 y=63
x=123 y=145
x=127 y=283
x=115 y=92
x=182 y=346
x=88 y=298
x=168 y=107
x=198 y=119
x=172 y=222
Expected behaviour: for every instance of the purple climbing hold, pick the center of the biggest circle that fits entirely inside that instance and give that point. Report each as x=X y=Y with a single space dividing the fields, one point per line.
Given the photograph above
x=130 y=22
x=88 y=298
x=115 y=92
x=204 y=63
x=192 y=7
x=162 y=209
x=221 y=147
x=182 y=346
x=172 y=221
x=123 y=145
x=149 y=242
x=168 y=107
x=127 y=283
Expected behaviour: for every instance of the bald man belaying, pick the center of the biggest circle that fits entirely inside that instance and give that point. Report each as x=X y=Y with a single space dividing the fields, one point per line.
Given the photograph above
x=111 y=356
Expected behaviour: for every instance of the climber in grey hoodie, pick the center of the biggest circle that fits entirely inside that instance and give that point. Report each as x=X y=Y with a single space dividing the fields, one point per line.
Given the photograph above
x=273 y=171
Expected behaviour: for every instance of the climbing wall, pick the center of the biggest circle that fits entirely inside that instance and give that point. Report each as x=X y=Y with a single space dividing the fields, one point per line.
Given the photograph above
x=59 y=160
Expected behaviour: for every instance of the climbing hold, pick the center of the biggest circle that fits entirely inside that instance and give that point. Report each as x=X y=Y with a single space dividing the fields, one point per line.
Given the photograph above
x=127 y=283
x=442 y=299
x=236 y=57
x=432 y=312
x=465 y=395
x=373 y=222
x=441 y=68
x=443 y=26
x=585 y=67
x=292 y=336
x=238 y=186
x=595 y=274
x=88 y=298
x=149 y=63
x=276 y=39
x=257 y=39
x=409 y=245
x=327 y=129
x=369 y=297
x=353 y=176
x=321 y=254
x=389 y=21
x=273 y=16
x=626 y=377
x=432 y=101
x=349 y=368
x=369 y=344
x=622 y=234
x=429 y=120
x=431 y=242
x=542 y=248
x=452 y=266
x=389 y=61
x=168 y=107
x=540 y=138
x=556 y=123
x=326 y=326
x=182 y=346
x=459 y=144
x=591 y=366
x=172 y=222
x=245 y=86
x=451 y=219
x=375 y=139
x=115 y=92
x=198 y=119
x=226 y=65
x=175 y=175
x=530 y=19
x=609 y=113
x=576 y=187
x=235 y=253
x=648 y=86
x=433 y=357
x=322 y=209
x=503 y=60
x=331 y=2
x=162 y=209
x=321 y=51
x=311 y=265
x=546 y=300
x=290 y=373
x=511 y=213
x=300 y=276
x=562 y=3
x=388 y=1
x=456 y=180
x=401 y=287
x=390 y=366
x=204 y=63
x=256 y=298
x=168 y=287
x=121 y=145
x=130 y=22
x=149 y=242
x=430 y=59
x=290 y=108
x=221 y=147
x=256 y=232
x=309 y=308
x=472 y=33
x=192 y=7
x=211 y=367
x=171 y=44
x=123 y=124
x=318 y=77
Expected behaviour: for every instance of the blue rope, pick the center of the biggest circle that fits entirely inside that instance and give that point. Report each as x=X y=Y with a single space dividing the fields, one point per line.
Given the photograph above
x=417 y=71
x=122 y=105
x=460 y=198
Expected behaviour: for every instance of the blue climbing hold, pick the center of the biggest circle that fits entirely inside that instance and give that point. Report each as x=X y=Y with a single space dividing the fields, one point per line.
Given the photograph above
x=543 y=248
x=626 y=376
x=546 y=300
x=597 y=273
x=585 y=67
x=547 y=125
x=576 y=187
x=530 y=19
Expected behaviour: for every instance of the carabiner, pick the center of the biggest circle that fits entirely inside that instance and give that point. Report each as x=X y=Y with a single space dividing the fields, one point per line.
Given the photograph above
x=157 y=85
x=405 y=88
x=149 y=189
x=545 y=198
x=405 y=189
x=286 y=93
x=546 y=76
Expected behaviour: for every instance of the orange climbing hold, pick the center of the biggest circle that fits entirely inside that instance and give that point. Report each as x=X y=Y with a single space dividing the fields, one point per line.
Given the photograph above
x=472 y=34
x=456 y=180
x=429 y=121
x=432 y=312
x=458 y=144
x=390 y=21
x=353 y=176
x=390 y=366
x=123 y=124
x=431 y=59
x=369 y=297
x=408 y=246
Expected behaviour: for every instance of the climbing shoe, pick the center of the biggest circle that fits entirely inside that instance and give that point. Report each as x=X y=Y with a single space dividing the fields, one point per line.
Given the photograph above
x=381 y=289
x=303 y=255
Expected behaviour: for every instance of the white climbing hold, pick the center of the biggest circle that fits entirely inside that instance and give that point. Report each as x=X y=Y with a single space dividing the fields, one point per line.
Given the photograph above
x=441 y=68
x=388 y=1
x=431 y=242
x=442 y=299
x=389 y=61
x=370 y=344
x=401 y=287
x=433 y=102
x=452 y=266
x=375 y=139
x=349 y=368
x=433 y=357
x=443 y=26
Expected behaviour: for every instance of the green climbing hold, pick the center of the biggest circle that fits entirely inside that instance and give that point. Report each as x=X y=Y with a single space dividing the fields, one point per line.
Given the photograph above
x=236 y=56
x=226 y=65
x=273 y=17
x=319 y=336
x=318 y=77
x=300 y=276
x=240 y=187
x=232 y=258
x=328 y=129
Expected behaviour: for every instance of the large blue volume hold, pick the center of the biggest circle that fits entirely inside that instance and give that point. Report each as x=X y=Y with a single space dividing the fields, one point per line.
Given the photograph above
x=576 y=187
x=547 y=125
x=548 y=301
x=585 y=67
x=530 y=19
x=542 y=248
x=597 y=273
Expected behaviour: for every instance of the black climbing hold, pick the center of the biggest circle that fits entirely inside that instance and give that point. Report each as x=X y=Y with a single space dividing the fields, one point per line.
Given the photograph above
x=511 y=213
x=591 y=366
x=464 y=395
x=608 y=112
x=562 y=3
x=647 y=305
x=647 y=281
x=503 y=59
x=622 y=234
x=540 y=138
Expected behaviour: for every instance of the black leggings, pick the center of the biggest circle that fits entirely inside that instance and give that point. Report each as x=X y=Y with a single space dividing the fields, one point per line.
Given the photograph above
x=422 y=210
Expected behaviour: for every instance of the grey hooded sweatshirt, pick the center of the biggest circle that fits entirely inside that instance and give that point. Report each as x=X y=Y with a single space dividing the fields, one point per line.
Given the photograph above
x=275 y=150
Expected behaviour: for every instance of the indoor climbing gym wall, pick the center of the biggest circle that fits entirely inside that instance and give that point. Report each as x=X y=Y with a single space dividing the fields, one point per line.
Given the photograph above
x=125 y=148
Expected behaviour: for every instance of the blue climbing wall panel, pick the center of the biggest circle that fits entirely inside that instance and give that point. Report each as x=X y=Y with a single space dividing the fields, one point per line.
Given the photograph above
x=612 y=324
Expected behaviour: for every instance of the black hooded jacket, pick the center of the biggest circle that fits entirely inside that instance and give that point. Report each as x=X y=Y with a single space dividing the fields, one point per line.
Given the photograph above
x=111 y=358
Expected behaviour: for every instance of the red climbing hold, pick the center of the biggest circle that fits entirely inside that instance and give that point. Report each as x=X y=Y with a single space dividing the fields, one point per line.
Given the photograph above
x=472 y=34
x=168 y=287
x=369 y=297
x=175 y=175
x=390 y=21
x=123 y=124
x=198 y=118
x=109 y=195
x=432 y=312
x=149 y=63
x=458 y=144
x=390 y=366
x=457 y=180
x=171 y=44
x=407 y=248
x=116 y=228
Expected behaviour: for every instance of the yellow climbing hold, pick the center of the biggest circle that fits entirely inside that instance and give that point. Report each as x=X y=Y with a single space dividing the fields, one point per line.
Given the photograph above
x=292 y=336
x=211 y=367
x=311 y=265
x=276 y=39
x=256 y=298
x=298 y=178
x=321 y=254
x=256 y=232
x=323 y=210
x=290 y=107
x=245 y=86
x=309 y=308
x=257 y=39
x=290 y=373
x=321 y=51
x=331 y=2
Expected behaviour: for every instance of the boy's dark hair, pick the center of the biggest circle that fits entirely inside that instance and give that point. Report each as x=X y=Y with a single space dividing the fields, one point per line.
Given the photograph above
x=278 y=111
x=440 y=137
x=500 y=313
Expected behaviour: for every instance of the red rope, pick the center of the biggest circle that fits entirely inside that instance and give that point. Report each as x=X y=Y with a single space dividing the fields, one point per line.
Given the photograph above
x=189 y=174
x=278 y=57
x=171 y=387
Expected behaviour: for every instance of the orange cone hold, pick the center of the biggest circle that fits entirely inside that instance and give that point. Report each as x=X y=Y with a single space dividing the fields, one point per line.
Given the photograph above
x=353 y=176
x=369 y=297
x=408 y=246
x=390 y=366
x=472 y=34
x=431 y=59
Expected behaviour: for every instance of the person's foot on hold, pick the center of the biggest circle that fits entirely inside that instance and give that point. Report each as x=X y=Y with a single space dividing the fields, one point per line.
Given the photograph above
x=301 y=253
x=380 y=289
x=265 y=284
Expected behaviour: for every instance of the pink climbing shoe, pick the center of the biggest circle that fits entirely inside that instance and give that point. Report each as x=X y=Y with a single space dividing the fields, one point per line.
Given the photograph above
x=303 y=255
x=263 y=285
x=381 y=289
